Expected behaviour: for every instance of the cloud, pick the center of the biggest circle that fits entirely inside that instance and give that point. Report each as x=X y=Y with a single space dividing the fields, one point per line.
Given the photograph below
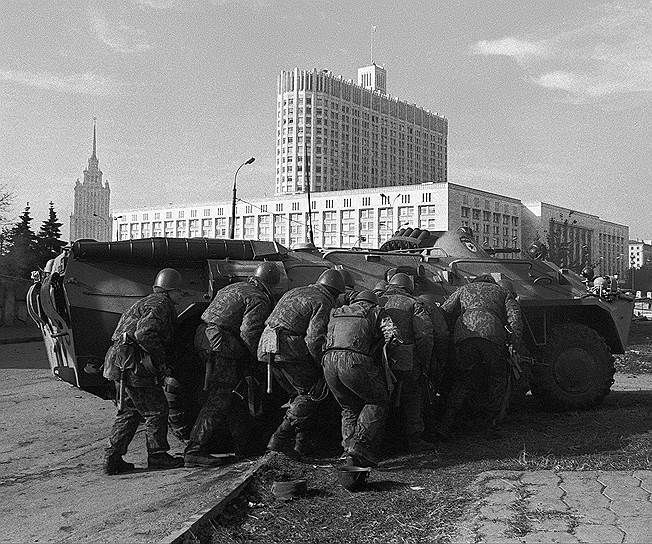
x=159 y=4
x=510 y=47
x=118 y=37
x=609 y=55
x=86 y=83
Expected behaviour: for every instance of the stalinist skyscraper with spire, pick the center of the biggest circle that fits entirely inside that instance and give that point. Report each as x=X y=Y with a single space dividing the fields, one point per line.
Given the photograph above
x=90 y=217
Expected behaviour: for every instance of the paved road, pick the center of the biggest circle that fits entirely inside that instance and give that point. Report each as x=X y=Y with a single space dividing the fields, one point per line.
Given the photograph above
x=51 y=482
x=568 y=507
x=27 y=355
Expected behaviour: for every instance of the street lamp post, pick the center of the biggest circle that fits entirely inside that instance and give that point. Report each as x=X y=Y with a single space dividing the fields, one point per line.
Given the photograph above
x=392 y=207
x=235 y=178
x=106 y=222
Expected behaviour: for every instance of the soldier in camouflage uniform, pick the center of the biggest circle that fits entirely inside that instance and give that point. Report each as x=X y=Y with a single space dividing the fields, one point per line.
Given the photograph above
x=411 y=358
x=293 y=340
x=355 y=375
x=439 y=357
x=228 y=342
x=480 y=311
x=147 y=329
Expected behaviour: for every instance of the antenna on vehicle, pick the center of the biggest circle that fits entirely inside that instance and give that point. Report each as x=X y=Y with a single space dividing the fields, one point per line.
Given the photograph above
x=307 y=184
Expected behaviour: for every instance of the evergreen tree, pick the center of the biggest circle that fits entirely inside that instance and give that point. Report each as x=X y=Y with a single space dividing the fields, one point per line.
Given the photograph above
x=22 y=256
x=48 y=240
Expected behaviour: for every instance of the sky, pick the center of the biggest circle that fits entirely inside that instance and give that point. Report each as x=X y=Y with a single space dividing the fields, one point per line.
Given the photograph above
x=546 y=101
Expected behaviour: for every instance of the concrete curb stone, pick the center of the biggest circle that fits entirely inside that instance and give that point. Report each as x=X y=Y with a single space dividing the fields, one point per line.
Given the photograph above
x=201 y=519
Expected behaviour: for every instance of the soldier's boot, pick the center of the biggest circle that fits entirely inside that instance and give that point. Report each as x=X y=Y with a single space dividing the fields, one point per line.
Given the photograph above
x=115 y=464
x=303 y=446
x=163 y=460
x=416 y=444
x=205 y=460
x=283 y=439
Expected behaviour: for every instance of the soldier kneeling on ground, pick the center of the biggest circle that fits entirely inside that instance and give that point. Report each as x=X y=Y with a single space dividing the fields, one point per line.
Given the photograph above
x=355 y=375
x=227 y=342
x=138 y=362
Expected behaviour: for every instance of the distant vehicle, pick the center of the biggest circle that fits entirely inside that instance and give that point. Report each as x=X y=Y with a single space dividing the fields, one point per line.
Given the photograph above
x=573 y=324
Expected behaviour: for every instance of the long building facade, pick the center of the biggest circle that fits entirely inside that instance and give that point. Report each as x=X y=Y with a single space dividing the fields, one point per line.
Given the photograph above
x=90 y=217
x=340 y=135
x=366 y=218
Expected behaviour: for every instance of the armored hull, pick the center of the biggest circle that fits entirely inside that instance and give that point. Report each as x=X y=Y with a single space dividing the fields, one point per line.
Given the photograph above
x=572 y=327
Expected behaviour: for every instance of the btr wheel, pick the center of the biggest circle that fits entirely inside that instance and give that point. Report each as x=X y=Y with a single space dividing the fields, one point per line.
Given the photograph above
x=574 y=370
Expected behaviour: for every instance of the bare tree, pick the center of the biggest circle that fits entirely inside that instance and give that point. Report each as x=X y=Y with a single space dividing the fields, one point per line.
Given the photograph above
x=6 y=200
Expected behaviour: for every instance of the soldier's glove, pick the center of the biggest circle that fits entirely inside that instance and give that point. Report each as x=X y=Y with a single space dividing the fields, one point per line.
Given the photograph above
x=390 y=331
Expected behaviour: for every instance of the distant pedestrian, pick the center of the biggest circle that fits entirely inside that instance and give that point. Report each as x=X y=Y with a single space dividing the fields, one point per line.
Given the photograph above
x=293 y=343
x=354 y=371
x=480 y=311
x=228 y=341
x=138 y=360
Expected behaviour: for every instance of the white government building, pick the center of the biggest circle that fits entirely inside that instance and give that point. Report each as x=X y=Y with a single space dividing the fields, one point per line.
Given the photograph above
x=356 y=136
x=367 y=217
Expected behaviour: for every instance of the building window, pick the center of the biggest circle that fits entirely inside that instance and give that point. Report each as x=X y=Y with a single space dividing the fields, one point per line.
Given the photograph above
x=465 y=211
x=206 y=228
x=193 y=213
x=426 y=197
x=220 y=211
x=295 y=206
x=220 y=227
x=180 y=214
x=145 y=217
x=329 y=203
x=248 y=208
x=168 y=215
x=279 y=208
x=366 y=201
x=347 y=202
x=207 y=212
x=157 y=215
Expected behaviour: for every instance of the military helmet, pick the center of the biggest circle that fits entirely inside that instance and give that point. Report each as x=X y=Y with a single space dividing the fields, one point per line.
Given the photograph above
x=507 y=284
x=401 y=279
x=333 y=280
x=483 y=278
x=380 y=286
x=268 y=274
x=367 y=295
x=168 y=279
x=428 y=298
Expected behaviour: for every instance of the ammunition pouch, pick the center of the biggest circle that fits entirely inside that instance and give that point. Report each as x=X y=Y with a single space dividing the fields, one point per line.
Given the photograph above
x=401 y=357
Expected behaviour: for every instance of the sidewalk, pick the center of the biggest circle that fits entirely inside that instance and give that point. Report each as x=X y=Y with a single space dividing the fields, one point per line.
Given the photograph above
x=18 y=334
x=569 y=506
x=53 y=487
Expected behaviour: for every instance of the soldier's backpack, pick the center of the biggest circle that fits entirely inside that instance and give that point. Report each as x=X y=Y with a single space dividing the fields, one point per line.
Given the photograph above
x=352 y=328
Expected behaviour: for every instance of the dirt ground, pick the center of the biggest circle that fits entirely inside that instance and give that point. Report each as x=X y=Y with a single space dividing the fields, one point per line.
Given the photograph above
x=420 y=498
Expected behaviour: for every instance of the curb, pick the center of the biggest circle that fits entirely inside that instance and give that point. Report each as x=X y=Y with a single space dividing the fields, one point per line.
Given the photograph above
x=199 y=520
x=21 y=340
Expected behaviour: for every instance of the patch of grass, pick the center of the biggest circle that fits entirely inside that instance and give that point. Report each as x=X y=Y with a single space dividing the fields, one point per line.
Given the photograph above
x=412 y=499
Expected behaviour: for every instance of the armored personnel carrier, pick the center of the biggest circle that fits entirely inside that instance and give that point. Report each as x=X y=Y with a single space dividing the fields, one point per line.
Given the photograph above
x=573 y=324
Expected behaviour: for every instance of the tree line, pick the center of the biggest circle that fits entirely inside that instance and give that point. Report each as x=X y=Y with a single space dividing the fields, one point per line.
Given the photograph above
x=21 y=249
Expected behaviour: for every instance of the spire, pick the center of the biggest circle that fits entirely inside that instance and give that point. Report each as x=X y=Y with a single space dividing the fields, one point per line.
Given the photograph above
x=94 y=156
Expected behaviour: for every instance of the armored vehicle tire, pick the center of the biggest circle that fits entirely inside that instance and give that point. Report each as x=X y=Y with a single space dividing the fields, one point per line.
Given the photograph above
x=575 y=371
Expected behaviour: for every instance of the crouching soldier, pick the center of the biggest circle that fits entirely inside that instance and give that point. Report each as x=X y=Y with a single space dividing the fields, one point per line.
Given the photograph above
x=138 y=360
x=480 y=311
x=353 y=371
x=227 y=343
x=409 y=358
x=292 y=345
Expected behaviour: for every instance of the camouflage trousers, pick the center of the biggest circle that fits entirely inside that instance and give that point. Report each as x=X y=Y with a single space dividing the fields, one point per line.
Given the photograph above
x=478 y=358
x=411 y=402
x=360 y=389
x=140 y=404
x=221 y=410
x=304 y=380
